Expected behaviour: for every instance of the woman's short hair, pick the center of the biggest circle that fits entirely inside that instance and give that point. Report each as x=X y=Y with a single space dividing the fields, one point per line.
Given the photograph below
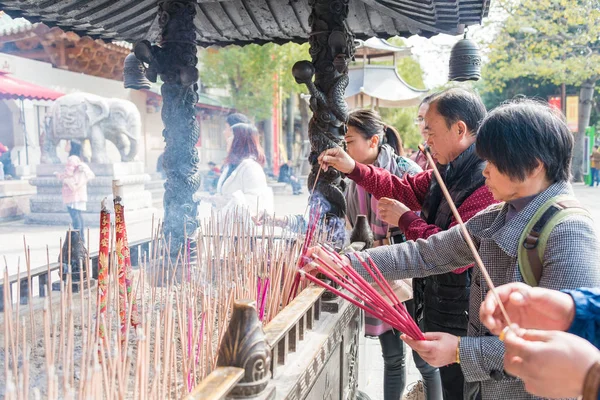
x=519 y=134
x=245 y=144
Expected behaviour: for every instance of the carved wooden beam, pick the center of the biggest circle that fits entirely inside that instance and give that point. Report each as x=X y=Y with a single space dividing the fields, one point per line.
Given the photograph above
x=217 y=385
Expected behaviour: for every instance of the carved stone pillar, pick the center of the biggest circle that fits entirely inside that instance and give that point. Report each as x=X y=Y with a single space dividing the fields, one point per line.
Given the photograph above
x=244 y=346
x=174 y=60
x=331 y=49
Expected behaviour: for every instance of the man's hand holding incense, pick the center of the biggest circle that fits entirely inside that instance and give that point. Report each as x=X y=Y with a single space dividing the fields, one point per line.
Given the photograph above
x=438 y=348
x=528 y=307
x=391 y=210
x=337 y=158
x=321 y=258
x=551 y=363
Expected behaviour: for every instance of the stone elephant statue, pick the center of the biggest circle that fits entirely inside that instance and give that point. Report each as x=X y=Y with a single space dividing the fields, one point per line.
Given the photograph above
x=80 y=116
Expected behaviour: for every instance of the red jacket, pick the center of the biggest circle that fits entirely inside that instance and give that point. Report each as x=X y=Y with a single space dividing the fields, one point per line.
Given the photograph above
x=411 y=190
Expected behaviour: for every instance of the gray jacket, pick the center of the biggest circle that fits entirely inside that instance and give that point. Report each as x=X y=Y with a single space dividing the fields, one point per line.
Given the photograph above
x=570 y=261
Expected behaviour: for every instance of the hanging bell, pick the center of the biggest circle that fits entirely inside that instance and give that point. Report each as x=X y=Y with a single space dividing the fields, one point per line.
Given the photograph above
x=134 y=74
x=465 y=61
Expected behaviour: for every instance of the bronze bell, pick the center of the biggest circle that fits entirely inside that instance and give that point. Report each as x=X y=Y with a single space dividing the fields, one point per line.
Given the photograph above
x=465 y=61
x=134 y=74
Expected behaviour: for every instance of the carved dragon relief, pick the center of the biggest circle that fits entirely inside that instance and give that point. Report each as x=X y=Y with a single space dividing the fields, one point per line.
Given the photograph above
x=175 y=60
x=331 y=49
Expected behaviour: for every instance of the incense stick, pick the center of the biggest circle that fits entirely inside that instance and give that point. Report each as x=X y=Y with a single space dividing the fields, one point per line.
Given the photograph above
x=465 y=233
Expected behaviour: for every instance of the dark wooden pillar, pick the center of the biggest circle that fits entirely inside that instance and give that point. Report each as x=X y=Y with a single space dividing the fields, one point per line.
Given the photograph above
x=174 y=60
x=331 y=49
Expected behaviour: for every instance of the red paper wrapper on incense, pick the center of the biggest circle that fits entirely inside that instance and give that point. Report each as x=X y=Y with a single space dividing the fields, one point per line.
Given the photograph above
x=128 y=274
x=103 y=266
x=123 y=262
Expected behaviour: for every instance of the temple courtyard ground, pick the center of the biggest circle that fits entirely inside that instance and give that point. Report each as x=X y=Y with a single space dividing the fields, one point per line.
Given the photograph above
x=370 y=361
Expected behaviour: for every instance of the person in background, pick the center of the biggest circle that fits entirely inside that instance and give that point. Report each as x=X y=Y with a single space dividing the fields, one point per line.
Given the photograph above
x=595 y=166
x=552 y=344
x=243 y=181
x=371 y=142
x=212 y=178
x=418 y=155
x=160 y=168
x=286 y=175
x=74 y=190
x=4 y=160
x=230 y=121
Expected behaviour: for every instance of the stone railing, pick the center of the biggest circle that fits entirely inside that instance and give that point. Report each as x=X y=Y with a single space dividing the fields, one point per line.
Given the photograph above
x=312 y=354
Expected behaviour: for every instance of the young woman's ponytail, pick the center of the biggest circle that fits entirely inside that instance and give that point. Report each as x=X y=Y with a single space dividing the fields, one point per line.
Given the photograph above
x=369 y=124
x=393 y=139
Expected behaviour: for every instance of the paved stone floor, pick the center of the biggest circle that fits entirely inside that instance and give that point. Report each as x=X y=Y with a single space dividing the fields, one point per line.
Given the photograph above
x=370 y=361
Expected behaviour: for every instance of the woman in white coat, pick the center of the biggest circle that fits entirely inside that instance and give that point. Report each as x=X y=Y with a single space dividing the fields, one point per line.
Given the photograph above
x=243 y=183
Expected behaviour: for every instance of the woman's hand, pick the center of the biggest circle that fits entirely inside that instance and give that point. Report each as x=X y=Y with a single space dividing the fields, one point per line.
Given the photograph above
x=528 y=307
x=317 y=252
x=390 y=210
x=337 y=158
x=551 y=363
x=264 y=218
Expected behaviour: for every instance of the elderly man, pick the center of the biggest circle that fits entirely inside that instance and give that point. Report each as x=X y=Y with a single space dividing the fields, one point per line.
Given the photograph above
x=528 y=151
x=450 y=122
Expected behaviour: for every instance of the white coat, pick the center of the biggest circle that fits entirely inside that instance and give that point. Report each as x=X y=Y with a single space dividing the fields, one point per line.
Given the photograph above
x=246 y=187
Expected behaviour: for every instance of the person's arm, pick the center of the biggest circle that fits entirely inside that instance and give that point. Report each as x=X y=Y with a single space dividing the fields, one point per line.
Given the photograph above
x=586 y=323
x=415 y=227
x=379 y=182
x=571 y=261
x=438 y=254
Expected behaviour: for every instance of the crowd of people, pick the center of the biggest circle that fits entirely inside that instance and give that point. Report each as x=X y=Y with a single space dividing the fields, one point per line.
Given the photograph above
x=507 y=172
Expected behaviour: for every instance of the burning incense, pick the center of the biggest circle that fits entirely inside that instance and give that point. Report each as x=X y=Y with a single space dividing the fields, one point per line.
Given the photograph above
x=465 y=233
x=103 y=267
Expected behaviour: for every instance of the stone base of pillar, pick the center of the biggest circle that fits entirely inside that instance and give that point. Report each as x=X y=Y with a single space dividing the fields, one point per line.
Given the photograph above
x=47 y=207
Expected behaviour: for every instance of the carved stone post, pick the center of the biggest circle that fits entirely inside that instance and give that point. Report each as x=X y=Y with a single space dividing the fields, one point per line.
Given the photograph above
x=244 y=346
x=331 y=49
x=175 y=61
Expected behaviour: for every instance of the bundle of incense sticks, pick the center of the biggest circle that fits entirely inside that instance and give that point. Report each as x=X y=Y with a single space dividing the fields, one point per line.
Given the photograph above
x=363 y=294
x=261 y=299
x=313 y=222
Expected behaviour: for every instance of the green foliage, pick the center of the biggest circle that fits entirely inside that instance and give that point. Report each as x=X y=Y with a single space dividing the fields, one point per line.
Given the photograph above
x=403 y=119
x=552 y=41
x=251 y=74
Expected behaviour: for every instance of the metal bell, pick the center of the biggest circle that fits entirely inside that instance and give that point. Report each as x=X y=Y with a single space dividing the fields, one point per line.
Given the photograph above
x=465 y=61
x=134 y=74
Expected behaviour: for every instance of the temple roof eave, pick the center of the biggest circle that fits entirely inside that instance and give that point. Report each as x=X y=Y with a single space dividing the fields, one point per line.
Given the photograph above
x=383 y=83
x=257 y=21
